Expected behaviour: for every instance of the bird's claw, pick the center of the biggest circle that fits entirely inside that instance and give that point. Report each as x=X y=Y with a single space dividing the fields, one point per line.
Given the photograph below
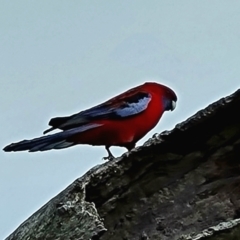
x=109 y=158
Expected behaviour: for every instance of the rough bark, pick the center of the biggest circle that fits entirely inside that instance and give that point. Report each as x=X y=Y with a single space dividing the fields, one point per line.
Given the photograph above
x=181 y=184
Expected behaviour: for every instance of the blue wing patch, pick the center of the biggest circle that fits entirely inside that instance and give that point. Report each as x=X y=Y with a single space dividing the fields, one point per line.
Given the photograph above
x=133 y=108
x=128 y=107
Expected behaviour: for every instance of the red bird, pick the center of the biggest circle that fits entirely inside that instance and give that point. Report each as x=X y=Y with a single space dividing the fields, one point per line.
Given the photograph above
x=120 y=121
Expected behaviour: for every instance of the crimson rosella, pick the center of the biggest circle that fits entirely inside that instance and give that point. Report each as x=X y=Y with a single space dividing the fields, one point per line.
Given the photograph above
x=120 y=121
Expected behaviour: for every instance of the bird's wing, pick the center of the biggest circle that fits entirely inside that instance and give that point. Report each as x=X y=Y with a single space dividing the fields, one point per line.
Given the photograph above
x=123 y=106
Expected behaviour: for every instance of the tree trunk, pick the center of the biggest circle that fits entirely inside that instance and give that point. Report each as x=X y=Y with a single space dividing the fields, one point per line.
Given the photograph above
x=181 y=184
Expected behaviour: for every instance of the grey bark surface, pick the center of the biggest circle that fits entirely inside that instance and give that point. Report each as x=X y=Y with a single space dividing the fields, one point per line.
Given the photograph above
x=181 y=184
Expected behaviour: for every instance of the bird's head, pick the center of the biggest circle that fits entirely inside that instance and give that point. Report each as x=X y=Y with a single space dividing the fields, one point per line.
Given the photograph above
x=167 y=96
x=169 y=99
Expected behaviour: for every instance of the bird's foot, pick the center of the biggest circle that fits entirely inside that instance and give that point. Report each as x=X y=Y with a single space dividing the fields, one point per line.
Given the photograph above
x=109 y=158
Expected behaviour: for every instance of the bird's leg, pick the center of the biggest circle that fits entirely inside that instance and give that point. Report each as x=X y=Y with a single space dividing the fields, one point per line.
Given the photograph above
x=110 y=156
x=130 y=146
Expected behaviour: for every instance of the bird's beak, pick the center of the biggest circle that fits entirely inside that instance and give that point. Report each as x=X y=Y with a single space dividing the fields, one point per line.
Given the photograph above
x=173 y=105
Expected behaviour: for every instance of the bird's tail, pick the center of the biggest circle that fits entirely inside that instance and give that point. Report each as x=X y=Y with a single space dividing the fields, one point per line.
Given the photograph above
x=53 y=141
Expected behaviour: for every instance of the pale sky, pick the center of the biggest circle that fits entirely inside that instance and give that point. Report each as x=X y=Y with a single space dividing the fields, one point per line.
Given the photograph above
x=60 y=57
